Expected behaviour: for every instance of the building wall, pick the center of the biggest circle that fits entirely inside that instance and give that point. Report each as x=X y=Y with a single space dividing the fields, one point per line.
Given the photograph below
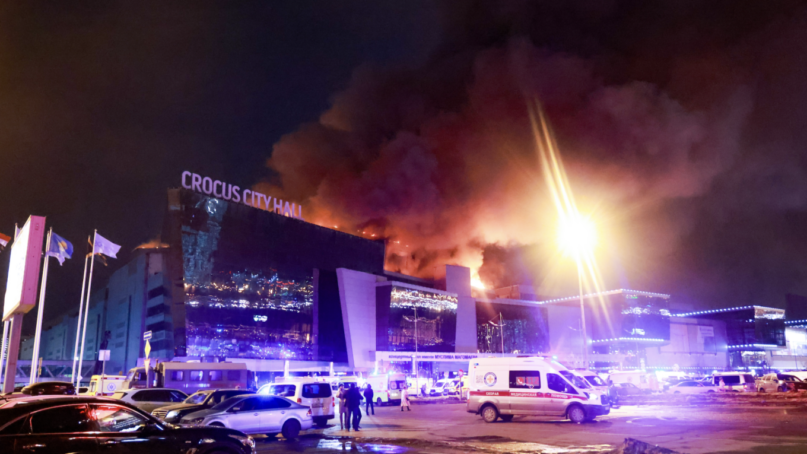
x=458 y=281
x=357 y=293
x=691 y=345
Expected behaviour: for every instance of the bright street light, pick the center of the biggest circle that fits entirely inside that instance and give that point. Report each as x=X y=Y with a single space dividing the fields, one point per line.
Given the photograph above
x=577 y=237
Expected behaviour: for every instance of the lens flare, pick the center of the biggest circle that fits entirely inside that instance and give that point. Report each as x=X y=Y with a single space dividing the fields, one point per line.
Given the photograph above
x=577 y=235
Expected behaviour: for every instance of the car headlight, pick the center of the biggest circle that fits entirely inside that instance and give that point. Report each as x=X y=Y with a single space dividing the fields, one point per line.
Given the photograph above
x=245 y=440
x=172 y=414
x=592 y=396
x=196 y=421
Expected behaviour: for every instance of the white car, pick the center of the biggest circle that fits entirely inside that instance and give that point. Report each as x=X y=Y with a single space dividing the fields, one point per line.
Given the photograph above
x=690 y=387
x=151 y=398
x=316 y=395
x=255 y=414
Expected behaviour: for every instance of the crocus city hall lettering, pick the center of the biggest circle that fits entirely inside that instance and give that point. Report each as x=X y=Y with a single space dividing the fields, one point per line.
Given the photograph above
x=226 y=191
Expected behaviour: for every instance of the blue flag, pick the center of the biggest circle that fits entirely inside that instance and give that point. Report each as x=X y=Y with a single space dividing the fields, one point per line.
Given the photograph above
x=59 y=248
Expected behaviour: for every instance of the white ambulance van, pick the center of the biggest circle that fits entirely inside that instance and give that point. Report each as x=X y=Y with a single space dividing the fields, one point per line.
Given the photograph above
x=507 y=387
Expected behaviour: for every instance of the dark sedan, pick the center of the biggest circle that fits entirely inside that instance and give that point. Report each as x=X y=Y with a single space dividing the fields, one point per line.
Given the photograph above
x=62 y=424
x=201 y=400
x=47 y=388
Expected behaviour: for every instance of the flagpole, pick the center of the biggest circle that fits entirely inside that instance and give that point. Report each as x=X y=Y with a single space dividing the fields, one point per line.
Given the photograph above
x=87 y=306
x=6 y=334
x=40 y=310
x=80 y=312
x=3 y=348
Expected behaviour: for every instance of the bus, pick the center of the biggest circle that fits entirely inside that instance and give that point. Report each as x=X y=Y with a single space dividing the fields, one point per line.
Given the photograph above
x=189 y=377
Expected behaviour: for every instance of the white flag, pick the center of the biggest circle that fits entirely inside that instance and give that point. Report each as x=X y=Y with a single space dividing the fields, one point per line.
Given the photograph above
x=106 y=247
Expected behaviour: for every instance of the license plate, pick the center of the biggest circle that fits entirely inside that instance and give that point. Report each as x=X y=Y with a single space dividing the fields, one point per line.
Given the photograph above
x=317 y=405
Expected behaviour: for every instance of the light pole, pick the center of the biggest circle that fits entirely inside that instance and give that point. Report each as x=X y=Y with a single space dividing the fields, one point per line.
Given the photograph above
x=576 y=237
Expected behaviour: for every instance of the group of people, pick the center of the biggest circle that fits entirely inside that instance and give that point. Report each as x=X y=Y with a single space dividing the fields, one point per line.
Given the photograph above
x=350 y=404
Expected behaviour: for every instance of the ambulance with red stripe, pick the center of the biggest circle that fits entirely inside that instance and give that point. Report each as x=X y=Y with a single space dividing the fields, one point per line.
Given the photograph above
x=501 y=388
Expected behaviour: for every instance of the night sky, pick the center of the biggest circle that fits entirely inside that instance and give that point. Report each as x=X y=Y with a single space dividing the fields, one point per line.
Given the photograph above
x=681 y=123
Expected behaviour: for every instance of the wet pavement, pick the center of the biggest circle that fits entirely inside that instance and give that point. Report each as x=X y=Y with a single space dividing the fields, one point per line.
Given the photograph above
x=448 y=429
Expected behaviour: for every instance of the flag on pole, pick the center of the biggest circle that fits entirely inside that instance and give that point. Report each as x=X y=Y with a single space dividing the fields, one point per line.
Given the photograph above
x=4 y=239
x=106 y=247
x=60 y=248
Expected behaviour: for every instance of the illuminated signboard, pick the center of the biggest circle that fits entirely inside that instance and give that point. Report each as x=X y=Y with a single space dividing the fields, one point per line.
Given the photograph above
x=233 y=193
x=23 y=268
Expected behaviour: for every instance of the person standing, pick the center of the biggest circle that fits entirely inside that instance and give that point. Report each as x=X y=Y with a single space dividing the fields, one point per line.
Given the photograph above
x=405 y=399
x=344 y=416
x=354 y=406
x=368 y=396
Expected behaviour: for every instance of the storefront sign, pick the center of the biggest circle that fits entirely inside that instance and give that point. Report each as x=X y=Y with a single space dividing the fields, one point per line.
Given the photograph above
x=230 y=192
x=404 y=356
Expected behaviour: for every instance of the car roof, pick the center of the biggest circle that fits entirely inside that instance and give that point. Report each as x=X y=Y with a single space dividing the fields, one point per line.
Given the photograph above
x=14 y=408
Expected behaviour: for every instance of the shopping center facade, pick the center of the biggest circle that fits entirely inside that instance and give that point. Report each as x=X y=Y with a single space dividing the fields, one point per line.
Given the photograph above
x=237 y=283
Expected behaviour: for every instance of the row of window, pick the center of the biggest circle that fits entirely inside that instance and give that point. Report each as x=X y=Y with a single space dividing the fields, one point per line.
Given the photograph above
x=199 y=375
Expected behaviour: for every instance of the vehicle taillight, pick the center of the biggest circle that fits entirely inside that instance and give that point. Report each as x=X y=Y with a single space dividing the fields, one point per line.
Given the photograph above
x=333 y=402
x=299 y=400
x=309 y=412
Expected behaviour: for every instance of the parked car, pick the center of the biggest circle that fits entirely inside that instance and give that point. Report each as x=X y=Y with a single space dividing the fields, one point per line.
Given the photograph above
x=735 y=381
x=438 y=388
x=44 y=389
x=771 y=383
x=51 y=424
x=452 y=388
x=150 y=399
x=690 y=387
x=255 y=415
x=629 y=389
x=200 y=400
x=307 y=392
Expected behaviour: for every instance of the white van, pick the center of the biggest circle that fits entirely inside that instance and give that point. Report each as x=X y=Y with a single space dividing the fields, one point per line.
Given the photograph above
x=309 y=391
x=735 y=381
x=642 y=380
x=387 y=388
x=593 y=380
x=506 y=387
x=105 y=385
x=439 y=387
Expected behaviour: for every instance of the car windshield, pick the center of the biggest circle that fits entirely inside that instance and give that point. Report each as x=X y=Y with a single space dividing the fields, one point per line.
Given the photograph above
x=227 y=403
x=595 y=380
x=197 y=398
x=578 y=381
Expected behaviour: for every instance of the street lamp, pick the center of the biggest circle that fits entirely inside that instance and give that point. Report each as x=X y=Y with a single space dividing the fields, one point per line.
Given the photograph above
x=577 y=237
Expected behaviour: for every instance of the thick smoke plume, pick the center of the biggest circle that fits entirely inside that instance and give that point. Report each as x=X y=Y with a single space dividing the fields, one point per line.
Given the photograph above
x=663 y=137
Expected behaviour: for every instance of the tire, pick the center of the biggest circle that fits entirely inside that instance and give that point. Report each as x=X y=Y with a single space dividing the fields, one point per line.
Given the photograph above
x=291 y=429
x=506 y=418
x=576 y=414
x=378 y=401
x=321 y=422
x=762 y=390
x=489 y=413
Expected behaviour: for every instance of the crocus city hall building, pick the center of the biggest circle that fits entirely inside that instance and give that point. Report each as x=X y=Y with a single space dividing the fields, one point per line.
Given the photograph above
x=243 y=277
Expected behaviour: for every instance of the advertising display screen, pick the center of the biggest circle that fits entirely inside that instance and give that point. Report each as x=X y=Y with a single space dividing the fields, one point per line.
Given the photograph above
x=426 y=318
x=23 y=269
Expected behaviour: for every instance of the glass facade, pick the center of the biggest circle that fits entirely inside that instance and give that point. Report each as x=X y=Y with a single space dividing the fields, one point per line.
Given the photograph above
x=406 y=316
x=524 y=328
x=629 y=316
x=236 y=310
x=256 y=284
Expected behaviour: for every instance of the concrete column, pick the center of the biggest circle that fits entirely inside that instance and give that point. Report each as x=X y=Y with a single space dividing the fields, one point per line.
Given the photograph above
x=458 y=280
x=13 y=353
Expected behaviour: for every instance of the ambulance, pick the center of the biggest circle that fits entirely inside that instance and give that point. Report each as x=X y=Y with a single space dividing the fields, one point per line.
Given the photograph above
x=501 y=388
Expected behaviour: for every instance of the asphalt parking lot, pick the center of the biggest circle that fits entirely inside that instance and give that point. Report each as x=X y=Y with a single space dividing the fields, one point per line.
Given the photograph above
x=727 y=428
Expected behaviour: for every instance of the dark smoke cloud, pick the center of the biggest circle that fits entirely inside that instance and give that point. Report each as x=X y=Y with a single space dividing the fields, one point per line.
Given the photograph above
x=679 y=125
